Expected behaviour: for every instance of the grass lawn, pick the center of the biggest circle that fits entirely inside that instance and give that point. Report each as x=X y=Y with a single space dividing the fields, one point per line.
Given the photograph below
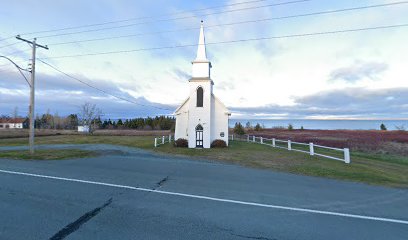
x=377 y=169
x=49 y=154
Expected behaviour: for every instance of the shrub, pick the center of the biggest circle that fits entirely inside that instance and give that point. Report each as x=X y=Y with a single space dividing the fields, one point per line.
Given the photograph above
x=278 y=127
x=181 y=142
x=258 y=127
x=239 y=129
x=248 y=125
x=218 y=143
x=290 y=127
x=383 y=127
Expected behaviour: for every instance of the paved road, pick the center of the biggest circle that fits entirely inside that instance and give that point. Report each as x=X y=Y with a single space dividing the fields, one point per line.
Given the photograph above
x=133 y=194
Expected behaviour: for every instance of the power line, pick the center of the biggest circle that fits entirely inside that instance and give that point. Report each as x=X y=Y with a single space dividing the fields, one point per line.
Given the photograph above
x=172 y=19
x=20 y=69
x=236 y=23
x=140 y=18
x=18 y=62
x=124 y=36
x=235 y=41
x=101 y=90
x=6 y=38
x=9 y=45
x=19 y=51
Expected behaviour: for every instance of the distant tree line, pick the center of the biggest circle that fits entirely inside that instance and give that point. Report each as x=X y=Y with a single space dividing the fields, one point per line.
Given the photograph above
x=90 y=115
x=149 y=123
x=241 y=130
x=71 y=122
x=54 y=121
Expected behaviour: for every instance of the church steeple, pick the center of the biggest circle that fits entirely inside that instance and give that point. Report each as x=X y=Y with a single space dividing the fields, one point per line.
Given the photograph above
x=202 y=118
x=201 y=51
x=201 y=65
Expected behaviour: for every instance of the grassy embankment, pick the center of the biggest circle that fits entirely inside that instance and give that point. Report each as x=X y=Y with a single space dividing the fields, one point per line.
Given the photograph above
x=48 y=154
x=377 y=169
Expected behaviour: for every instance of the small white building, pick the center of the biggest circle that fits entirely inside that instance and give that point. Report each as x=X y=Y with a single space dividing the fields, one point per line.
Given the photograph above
x=11 y=123
x=83 y=128
x=202 y=118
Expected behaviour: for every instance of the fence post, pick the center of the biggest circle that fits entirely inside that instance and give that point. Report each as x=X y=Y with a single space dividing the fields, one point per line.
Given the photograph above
x=232 y=137
x=273 y=142
x=289 y=145
x=155 y=142
x=261 y=140
x=311 y=147
x=347 y=155
x=169 y=138
x=162 y=139
x=248 y=138
x=253 y=138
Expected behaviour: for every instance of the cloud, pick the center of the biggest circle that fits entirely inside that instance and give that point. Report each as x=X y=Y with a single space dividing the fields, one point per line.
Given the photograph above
x=65 y=96
x=285 y=77
x=226 y=85
x=182 y=75
x=347 y=103
x=359 y=71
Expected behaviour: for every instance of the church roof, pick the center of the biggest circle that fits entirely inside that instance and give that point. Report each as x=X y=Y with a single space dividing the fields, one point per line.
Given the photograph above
x=215 y=98
x=222 y=104
x=178 y=109
x=12 y=120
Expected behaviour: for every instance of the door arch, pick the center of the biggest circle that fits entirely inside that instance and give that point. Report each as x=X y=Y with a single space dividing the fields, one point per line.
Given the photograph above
x=199 y=136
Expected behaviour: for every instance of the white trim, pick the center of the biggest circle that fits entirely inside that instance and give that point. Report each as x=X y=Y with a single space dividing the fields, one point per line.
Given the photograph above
x=185 y=101
x=222 y=104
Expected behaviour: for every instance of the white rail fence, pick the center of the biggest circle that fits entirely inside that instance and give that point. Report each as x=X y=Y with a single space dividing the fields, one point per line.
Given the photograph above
x=162 y=140
x=309 y=148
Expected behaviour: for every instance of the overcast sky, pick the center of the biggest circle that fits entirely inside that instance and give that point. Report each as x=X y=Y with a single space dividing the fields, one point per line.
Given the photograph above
x=346 y=75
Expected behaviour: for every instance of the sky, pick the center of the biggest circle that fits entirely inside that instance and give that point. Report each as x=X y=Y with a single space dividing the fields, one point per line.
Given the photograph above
x=352 y=75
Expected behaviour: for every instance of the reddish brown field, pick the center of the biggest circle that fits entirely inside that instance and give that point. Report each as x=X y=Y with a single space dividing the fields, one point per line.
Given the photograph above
x=393 y=142
x=22 y=133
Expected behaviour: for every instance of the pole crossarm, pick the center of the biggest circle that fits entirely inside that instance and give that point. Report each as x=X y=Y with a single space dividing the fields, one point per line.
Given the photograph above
x=32 y=42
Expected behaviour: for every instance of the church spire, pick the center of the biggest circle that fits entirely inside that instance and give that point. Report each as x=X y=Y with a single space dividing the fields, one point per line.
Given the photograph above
x=201 y=65
x=201 y=51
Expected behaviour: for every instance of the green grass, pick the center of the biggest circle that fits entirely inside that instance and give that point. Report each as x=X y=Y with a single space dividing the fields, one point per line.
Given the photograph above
x=48 y=154
x=376 y=169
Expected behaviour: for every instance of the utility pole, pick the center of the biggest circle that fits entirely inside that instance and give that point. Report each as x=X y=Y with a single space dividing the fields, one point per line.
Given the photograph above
x=34 y=45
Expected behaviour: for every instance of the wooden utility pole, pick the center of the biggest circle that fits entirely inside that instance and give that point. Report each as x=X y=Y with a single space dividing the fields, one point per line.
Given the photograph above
x=34 y=45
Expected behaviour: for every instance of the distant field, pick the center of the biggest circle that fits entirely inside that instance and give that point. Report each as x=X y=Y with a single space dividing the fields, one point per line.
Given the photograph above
x=373 y=168
x=370 y=141
x=19 y=133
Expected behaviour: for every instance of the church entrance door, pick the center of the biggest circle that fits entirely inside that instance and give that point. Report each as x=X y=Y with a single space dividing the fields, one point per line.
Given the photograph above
x=199 y=136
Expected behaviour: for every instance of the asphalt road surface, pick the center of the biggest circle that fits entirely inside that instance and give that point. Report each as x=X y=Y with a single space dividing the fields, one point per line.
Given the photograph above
x=133 y=194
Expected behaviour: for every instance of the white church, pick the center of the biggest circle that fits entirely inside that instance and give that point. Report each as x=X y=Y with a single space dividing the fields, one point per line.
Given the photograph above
x=202 y=118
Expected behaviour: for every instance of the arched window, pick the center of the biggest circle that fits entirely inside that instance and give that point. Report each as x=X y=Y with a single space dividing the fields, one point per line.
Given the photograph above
x=200 y=95
x=199 y=127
